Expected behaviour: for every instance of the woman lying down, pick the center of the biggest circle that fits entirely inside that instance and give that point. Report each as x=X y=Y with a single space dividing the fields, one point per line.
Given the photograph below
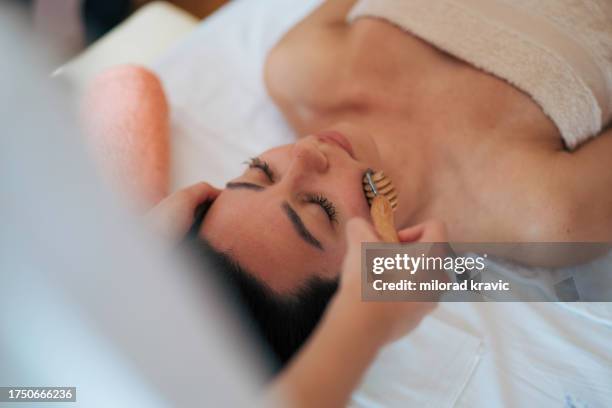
x=489 y=118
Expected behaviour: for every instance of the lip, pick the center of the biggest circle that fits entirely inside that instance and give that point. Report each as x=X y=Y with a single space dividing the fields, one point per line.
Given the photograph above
x=338 y=139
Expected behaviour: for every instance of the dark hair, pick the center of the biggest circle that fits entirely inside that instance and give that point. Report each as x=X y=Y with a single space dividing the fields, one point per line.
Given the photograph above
x=284 y=322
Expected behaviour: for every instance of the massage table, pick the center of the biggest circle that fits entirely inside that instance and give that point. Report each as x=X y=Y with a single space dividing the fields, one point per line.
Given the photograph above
x=463 y=355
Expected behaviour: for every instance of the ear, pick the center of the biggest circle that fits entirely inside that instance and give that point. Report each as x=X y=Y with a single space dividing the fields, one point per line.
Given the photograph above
x=428 y=231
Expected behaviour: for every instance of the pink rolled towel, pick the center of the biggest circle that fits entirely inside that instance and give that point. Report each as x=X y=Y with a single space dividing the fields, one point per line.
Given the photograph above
x=127 y=126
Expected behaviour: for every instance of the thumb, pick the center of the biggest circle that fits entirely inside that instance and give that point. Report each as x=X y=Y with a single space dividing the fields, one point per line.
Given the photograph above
x=357 y=231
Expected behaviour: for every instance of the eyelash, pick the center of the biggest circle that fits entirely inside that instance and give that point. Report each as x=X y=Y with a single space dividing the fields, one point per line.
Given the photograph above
x=257 y=163
x=327 y=205
x=322 y=201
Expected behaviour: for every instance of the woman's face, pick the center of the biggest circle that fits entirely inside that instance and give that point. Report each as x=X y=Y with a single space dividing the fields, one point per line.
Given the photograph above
x=283 y=219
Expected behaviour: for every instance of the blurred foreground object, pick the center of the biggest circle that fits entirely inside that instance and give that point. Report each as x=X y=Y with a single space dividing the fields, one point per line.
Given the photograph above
x=87 y=299
x=60 y=23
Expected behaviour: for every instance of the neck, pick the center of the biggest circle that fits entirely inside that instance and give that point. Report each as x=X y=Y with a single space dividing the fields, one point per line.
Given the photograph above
x=406 y=162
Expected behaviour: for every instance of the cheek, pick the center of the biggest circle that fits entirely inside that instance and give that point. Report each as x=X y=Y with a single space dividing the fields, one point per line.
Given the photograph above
x=352 y=196
x=366 y=150
x=370 y=156
x=335 y=259
x=359 y=206
x=330 y=265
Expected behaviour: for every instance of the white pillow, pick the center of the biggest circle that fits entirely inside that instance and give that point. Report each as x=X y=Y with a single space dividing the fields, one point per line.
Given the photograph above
x=141 y=39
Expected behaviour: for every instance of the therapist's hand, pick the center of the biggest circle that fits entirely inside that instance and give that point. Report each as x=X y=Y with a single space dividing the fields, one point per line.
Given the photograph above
x=385 y=321
x=351 y=333
x=173 y=216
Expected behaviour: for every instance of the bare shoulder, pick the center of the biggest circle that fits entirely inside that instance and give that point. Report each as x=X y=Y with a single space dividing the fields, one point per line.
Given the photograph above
x=317 y=34
x=306 y=60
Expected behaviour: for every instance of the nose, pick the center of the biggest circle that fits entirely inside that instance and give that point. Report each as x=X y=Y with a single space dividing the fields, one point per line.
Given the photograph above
x=306 y=159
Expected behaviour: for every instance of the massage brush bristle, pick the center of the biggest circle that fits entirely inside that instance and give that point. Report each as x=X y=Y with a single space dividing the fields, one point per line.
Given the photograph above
x=382 y=198
x=376 y=183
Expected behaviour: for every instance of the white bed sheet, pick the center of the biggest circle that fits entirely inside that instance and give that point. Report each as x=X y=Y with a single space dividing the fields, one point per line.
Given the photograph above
x=465 y=354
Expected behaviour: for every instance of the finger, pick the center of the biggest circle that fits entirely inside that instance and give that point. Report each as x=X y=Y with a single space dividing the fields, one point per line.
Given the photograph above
x=174 y=215
x=187 y=200
x=428 y=231
x=357 y=231
x=434 y=231
x=197 y=194
x=411 y=234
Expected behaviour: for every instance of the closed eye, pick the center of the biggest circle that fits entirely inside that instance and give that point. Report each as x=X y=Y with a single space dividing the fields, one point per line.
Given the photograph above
x=319 y=199
x=257 y=163
x=325 y=204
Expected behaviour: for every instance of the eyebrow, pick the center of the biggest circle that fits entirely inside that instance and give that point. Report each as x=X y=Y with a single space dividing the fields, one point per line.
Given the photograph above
x=293 y=216
x=242 y=184
x=299 y=226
